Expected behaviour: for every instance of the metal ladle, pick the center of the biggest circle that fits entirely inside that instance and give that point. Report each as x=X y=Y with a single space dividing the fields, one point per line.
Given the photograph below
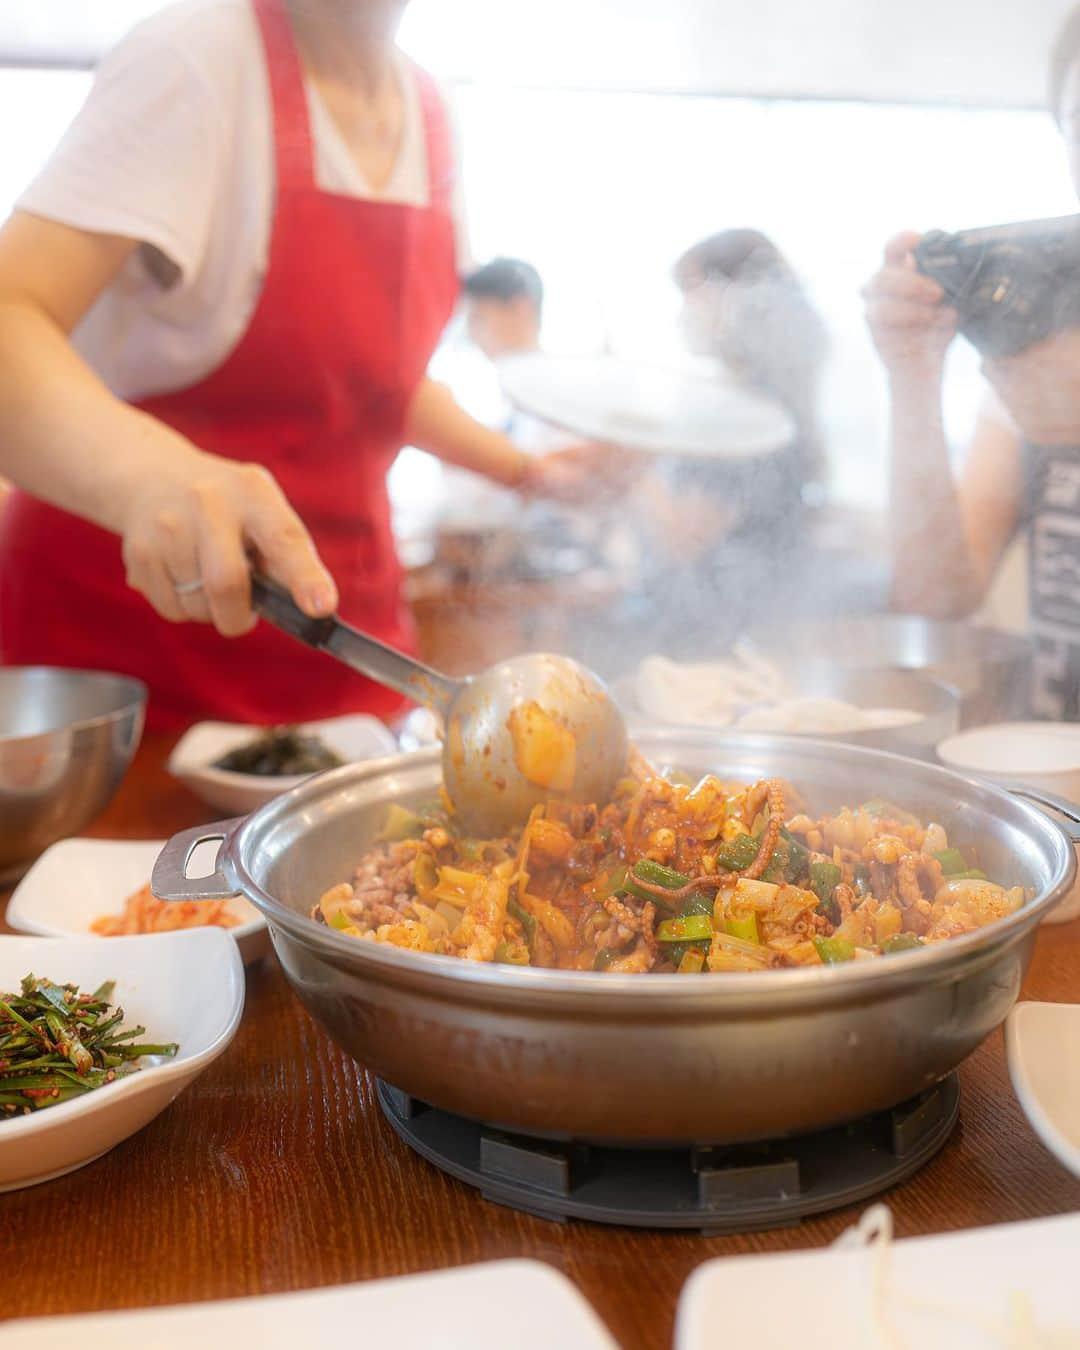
x=527 y=730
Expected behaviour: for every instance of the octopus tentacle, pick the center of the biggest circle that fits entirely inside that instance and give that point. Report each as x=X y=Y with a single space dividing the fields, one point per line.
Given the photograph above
x=648 y=918
x=772 y=791
x=623 y=914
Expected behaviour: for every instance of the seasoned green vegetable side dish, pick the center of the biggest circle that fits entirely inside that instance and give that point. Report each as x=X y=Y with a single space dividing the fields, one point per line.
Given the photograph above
x=57 y=1043
x=280 y=751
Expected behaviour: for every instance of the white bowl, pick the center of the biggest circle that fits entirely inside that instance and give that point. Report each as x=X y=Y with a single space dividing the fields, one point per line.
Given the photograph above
x=353 y=737
x=1042 y=1043
x=186 y=987
x=80 y=880
x=1043 y=755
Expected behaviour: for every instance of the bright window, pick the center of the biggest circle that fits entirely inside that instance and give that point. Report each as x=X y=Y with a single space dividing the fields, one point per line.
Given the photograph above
x=602 y=190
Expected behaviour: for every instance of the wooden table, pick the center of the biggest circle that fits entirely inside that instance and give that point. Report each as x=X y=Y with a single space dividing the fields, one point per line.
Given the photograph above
x=276 y=1171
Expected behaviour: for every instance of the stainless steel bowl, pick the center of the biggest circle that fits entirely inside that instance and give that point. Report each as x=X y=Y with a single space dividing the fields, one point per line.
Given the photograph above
x=988 y=668
x=66 y=740
x=644 y=1058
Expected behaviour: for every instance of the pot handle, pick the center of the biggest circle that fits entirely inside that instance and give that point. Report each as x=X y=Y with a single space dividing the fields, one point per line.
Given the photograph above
x=169 y=879
x=1069 y=810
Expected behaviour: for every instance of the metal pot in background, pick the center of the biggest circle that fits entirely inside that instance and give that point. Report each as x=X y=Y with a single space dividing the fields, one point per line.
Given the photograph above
x=644 y=1059
x=912 y=690
x=67 y=738
x=989 y=669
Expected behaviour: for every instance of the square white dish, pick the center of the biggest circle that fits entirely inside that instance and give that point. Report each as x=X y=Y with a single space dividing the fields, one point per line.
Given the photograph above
x=1042 y=1045
x=523 y=1304
x=78 y=880
x=186 y=987
x=965 y=1283
x=354 y=737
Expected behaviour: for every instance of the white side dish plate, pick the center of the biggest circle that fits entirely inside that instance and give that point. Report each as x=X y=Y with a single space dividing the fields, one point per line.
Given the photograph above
x=523 y=1304
x=1042 y=1043
x=353 y=737
x=186 y=987
x=80 y=880
x=955 y=1292
x=1044 y=755
x=654 y=409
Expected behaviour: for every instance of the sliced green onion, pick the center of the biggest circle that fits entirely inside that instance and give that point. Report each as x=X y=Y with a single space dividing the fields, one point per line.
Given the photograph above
x=833 y=949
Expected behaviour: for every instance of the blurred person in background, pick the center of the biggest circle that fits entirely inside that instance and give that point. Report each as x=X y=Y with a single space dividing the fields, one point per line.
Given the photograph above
x=744 y=306
x=217 y=306
x=705 y=523
x=503 y=303
x=502 y=310
x=1021 y=468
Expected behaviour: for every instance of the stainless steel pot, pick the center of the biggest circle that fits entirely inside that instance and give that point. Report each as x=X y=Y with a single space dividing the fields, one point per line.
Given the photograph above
x=644 y=1059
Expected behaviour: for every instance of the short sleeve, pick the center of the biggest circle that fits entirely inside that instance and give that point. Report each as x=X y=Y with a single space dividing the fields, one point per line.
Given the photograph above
x=142 y=156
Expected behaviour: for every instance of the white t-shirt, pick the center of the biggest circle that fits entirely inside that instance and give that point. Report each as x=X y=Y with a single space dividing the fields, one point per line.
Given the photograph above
x=174 y=147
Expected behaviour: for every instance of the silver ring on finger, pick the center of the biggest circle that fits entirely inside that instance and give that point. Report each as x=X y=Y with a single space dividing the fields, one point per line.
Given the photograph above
x=188 y=587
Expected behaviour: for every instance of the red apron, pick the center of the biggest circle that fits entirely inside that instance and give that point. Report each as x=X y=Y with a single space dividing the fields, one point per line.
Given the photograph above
x=354 y=300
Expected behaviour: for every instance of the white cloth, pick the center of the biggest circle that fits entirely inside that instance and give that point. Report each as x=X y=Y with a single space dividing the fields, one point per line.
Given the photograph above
x=174 y=147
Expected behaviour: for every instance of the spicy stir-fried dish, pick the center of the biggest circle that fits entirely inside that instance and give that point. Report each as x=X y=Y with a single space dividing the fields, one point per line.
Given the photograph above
x=668 y=877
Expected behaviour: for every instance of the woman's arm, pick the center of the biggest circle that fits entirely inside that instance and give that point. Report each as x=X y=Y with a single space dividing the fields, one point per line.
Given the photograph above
x=946 y=538
x=437 y=423
x=182 y=513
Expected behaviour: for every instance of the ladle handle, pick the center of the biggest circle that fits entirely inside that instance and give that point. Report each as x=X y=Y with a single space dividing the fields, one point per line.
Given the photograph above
x=366 y=654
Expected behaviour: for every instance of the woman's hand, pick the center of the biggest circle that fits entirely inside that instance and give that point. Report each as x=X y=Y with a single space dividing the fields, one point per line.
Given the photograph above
x=910 y=326
x=580 y=475
x=205 y=524
x=186 y=518
x=1041 y=388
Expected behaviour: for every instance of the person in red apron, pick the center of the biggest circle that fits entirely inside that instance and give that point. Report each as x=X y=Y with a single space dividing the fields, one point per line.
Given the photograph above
x=321 y=390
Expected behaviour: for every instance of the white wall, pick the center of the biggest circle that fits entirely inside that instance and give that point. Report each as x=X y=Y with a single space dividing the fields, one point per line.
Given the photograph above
x=989 y=52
